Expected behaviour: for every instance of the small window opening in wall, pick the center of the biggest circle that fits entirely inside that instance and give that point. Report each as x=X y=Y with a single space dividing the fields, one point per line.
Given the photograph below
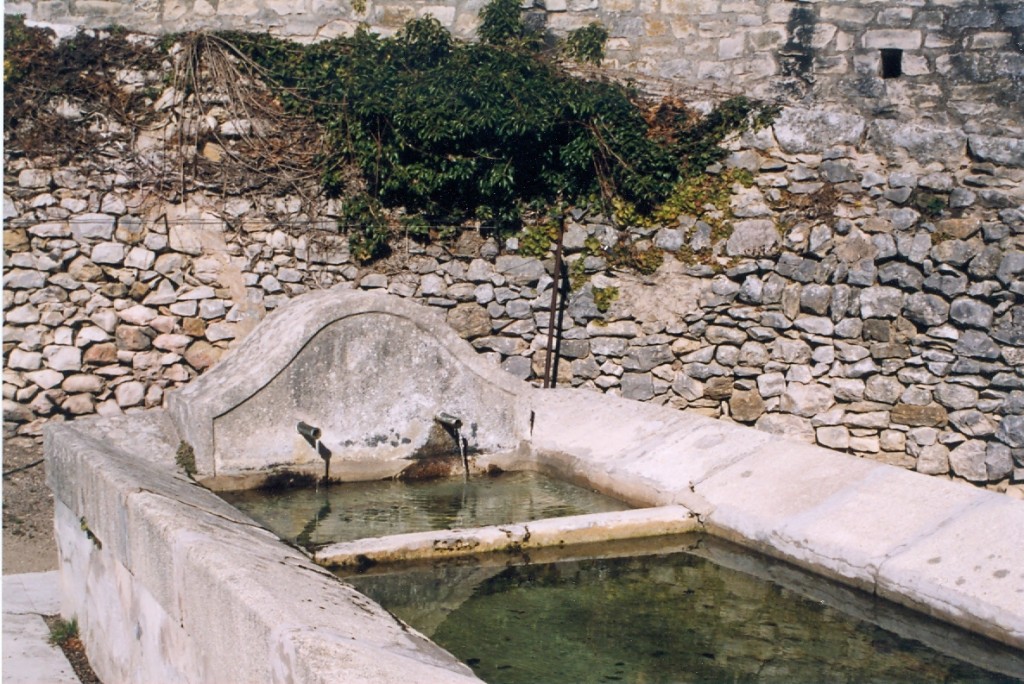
x=892 y=62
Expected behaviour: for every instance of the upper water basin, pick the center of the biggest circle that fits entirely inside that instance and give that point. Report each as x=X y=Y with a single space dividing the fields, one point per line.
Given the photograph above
x=314 y=516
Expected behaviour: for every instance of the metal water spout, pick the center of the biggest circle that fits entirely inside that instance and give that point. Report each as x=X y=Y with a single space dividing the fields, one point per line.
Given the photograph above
x=453 y=426
x=310 y=432
x=312 y=435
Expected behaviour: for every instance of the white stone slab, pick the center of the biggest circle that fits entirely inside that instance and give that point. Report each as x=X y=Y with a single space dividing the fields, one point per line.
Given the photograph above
x=34 y=592
x=969 y=571
x=28 y=656
x=756 y=496
x=849 y=535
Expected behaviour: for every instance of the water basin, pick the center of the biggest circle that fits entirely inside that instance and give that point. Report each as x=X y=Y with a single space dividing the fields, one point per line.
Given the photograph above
x=313 y=516
x=689 y=609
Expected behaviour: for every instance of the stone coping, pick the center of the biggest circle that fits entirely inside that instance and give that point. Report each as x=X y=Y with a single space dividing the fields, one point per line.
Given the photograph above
x=170 y=583
x=942 y=547
x=569 y=530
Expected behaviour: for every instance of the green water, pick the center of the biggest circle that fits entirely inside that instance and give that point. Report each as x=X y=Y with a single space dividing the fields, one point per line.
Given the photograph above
x=665 y=617
x=343 y=512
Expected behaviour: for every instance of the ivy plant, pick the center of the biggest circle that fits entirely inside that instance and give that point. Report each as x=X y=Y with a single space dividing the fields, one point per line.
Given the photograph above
x=453 y=130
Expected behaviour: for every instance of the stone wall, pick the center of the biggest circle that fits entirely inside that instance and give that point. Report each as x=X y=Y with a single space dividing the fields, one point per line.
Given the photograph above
x=866 y=305
x=949 y=66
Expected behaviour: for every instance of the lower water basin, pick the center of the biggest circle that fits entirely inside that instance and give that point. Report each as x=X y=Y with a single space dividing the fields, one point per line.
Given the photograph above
x=343 y=512
x=699 y=610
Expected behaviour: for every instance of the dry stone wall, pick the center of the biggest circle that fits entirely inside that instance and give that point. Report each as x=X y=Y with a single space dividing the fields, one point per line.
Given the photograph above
x=945 y=65
x=866 y=293
x=867 y=307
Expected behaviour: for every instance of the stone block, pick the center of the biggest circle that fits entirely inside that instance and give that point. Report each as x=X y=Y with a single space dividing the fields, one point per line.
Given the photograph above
x=902 y=39
x=925 y=144
x=88 y=227
x=108 y=253
x=814 y=131
x=788 y=426
x=62 y=357
x=834 y=437
x=638 y=386
x=806 y=400
x=931 y=415
x=880 y=302
x=470 y=320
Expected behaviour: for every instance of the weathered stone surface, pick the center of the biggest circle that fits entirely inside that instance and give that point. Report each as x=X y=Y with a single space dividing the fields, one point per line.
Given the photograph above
x=977 y=344
x=520 y=270
x=880 y=302
x=753 y=237
x=646 y=358
x=933 y=460
x=79 y=404
x=84 y=270
x=806 y=400
x=972 y=313
x=746 y=405
x=608 y=346
x=956 y=396
x=87 y=227
x=1011 y=268
x=1009 y=328
x=883 y=388
x=815 y=325
x=931 y=415
x=1000 y=150
x=62 y=357
x=998 y=461
x=132 y=338
x=787 y=425
x=834 y=437
x=926 y=309
x=201 y=355
x=130 y=393
x=718 y=388
x=1011 y=431
x=771 y=384
x=613 y=329
x=638 y=386
x=99 y=354
x=172 y=342
x=20 y=359
x=108 y=253
x=717 y=334
x=923 y=143
x=972 y=422
x=137 y=315
x=518 y=366
x=670 y=239
x=82 y=382
x=804 y=130
x=791 y=351
x=968 y=460
x=23 y=279
x=470 y=320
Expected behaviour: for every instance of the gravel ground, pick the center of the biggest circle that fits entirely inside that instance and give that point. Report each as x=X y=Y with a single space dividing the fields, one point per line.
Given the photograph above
x=29 y=544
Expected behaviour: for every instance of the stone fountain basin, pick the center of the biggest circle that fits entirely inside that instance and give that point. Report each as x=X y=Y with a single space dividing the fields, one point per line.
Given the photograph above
x=170 y=583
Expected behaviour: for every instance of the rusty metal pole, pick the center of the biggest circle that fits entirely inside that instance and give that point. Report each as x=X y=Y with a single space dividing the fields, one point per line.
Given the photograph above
x=555 y=287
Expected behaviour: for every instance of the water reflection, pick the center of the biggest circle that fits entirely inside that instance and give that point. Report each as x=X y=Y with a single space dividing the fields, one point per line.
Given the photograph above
x=344 y=512
x=671 y=617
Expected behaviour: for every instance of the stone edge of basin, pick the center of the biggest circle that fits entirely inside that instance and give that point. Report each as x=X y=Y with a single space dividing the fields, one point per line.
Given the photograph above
x=941 y=547
x=565 y=531
x=169 y=583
